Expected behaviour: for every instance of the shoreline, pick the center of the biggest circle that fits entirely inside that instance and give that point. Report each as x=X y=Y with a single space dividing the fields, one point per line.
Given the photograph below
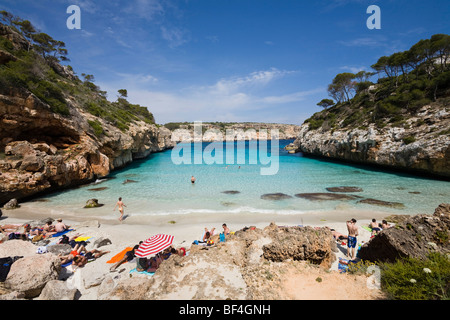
x=189 y=227
x=186 y=229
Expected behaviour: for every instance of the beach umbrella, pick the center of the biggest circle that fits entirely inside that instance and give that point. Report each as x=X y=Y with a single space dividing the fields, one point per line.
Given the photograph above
x=154 y=244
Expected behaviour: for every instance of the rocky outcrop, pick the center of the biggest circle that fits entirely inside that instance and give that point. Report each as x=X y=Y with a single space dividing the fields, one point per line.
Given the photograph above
x=235 y=131
x=50 y=141
x=300 y=243
x=415 y=237
x=422 y=145
x=30 y=274
x=51 y=151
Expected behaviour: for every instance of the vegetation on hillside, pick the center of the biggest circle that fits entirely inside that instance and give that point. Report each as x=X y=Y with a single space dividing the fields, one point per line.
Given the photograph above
x=36 y=67
x=406 y=82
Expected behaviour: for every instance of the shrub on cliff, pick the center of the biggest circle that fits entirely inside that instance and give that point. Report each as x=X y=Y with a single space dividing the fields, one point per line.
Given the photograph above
x=417 y=279
x=34 y=65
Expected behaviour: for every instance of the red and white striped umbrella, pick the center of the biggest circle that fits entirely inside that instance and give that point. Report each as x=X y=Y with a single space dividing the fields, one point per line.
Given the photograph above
x=153 y=245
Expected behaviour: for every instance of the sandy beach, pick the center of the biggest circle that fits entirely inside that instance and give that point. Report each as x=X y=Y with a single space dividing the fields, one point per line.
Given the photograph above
x=187 y=228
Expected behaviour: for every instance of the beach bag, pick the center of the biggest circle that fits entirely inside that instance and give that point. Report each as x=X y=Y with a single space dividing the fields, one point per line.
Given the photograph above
x=37 y=238
x=41 y=250
x=222 y=237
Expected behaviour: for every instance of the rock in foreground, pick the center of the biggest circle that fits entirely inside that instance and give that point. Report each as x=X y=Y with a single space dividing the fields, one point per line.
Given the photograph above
x=413 y=237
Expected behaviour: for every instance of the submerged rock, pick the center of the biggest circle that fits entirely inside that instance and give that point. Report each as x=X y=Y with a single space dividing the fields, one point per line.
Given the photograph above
x=389 y=204
x=129 y=181
x=326 y=196
x=98 y=189
x=344 y=189
x=275 y=196
x=231 y=192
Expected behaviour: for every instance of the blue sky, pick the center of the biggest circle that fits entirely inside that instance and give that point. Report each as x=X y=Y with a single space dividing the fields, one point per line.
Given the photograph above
x=230 y=60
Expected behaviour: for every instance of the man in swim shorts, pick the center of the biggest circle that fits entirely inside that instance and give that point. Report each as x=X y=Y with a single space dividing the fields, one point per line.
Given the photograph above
x=352 y=241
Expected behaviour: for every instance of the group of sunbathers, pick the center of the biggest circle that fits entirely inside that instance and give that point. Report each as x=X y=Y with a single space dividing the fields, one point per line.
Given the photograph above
x=25 y=231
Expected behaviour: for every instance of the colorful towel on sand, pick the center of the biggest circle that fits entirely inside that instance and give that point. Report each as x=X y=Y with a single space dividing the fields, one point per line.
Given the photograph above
x=142 y=272
x=82 y=239
x=61 y=233
x=119 y=256
x=367 y=228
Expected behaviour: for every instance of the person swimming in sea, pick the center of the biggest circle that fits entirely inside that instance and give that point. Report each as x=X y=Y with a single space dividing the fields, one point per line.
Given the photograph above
x=192 y=180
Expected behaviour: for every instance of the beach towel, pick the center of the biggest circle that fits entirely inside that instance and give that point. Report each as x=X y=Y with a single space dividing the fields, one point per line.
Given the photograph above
x=82 y=239
x=367 y=228
x=119 y=256
x=142 y=272
x=61 y=233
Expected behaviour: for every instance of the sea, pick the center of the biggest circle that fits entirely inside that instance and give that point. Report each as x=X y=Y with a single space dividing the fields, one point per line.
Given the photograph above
x=230 y=179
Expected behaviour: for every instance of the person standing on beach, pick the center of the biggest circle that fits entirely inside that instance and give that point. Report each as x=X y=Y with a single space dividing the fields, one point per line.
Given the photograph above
x=352 y=234
x=121 y=205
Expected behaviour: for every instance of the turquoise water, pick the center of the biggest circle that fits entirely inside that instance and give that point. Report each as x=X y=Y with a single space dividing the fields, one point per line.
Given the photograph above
x=164 y=188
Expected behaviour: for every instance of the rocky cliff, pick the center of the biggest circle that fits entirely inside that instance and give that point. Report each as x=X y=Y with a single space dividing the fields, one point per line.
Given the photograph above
x=232 y=131
x=57 y=131
x=402 y=121
x=420 y=145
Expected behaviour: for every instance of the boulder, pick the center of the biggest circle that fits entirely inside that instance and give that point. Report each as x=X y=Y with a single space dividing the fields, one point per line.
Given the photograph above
x=12 y=248
x=326 y=196
x=300 y=243
x=344 y=189
x=382 y=203
x=414 y=237
x=275 y=196
x=100 y=242
x=30 y=274
x=93 y=203
x=56 y=249
x=11 y=204
x=57 y=290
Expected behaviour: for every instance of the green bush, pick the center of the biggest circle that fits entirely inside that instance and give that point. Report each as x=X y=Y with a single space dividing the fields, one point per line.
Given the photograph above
x=52 y=95
x=97 y=126
x=409 y=139
x=416 y=279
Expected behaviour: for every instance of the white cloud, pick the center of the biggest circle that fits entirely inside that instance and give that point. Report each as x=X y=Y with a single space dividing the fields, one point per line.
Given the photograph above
x=228 y=99
x=292 y=97
x=175 y=36
x=254 y=79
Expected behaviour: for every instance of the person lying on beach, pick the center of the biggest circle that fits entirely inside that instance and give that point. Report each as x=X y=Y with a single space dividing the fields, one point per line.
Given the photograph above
x=74 y=253
x=60 y=226
x=9 y=228
x=337 y=235
x=66 y=240
x=181 y=251
x=80 y=260
x=385 y=225
x=129 y=255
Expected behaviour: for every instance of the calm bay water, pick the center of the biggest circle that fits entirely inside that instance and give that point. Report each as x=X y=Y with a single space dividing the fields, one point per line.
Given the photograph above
x=160 y=187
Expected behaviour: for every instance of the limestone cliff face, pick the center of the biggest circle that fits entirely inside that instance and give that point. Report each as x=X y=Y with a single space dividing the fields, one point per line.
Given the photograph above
x=43 y=151
x=235 y=131
x=421 y=146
